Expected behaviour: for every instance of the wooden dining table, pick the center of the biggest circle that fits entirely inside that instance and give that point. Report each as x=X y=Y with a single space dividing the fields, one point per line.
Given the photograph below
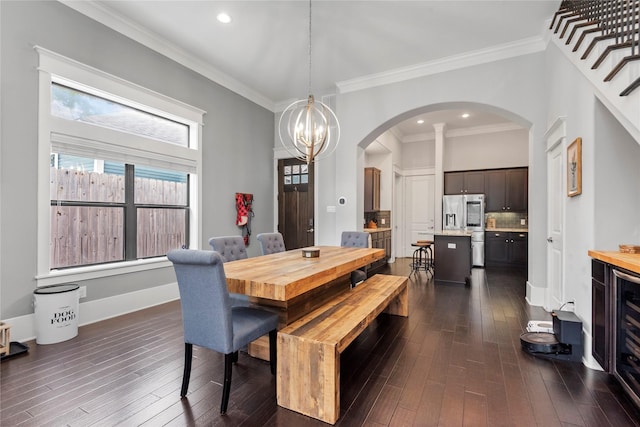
x=293 y=285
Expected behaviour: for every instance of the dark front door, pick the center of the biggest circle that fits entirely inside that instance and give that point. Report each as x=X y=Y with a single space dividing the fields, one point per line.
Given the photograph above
x=295 y=203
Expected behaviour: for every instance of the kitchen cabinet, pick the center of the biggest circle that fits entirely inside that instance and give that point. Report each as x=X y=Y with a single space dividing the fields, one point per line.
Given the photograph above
x=466 y=182
x=381 y=239
x=371 y=189
x=506 y=190
x=506 y=249
x=600 y=313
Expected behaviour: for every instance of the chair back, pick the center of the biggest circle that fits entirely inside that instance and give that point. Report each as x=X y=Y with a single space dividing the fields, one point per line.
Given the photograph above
x=270 y=243
x=355 y=239
x=230 y=248
x=206 y=307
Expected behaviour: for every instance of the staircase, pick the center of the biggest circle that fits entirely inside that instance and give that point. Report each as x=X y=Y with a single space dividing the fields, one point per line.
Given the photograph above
x=601 y=38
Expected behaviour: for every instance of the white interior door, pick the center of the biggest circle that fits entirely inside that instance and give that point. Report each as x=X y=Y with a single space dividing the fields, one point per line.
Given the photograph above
x=555 y=218
x=420 y=210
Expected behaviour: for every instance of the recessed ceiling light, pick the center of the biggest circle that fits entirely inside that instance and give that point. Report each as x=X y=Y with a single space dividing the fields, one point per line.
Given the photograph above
x=465 y=115
x=224 y=18
x=420 y=121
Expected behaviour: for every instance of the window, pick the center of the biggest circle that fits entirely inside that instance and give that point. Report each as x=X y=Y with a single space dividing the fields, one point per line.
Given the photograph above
x=122 y=171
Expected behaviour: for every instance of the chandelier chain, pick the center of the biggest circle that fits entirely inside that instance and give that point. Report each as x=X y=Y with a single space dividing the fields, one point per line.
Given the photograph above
x=309 y=47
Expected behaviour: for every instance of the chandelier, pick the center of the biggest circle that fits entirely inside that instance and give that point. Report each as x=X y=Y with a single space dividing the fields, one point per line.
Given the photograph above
x=308 y=128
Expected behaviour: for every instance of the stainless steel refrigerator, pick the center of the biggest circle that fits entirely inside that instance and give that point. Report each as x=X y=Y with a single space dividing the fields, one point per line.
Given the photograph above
x=466 y=213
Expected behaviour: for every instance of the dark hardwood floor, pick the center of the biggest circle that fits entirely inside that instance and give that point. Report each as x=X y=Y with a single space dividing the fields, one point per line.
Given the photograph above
x=456 y=361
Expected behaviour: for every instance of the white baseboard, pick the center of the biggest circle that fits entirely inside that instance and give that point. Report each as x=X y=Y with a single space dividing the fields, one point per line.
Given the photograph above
x=587 y=358
x=535 y=296
x=23 y=328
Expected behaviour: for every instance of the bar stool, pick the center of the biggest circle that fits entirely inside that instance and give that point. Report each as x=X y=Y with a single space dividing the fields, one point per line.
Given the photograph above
x=422 y=257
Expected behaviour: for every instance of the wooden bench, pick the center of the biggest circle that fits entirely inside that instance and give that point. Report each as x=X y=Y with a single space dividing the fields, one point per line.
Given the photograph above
x=308 y=367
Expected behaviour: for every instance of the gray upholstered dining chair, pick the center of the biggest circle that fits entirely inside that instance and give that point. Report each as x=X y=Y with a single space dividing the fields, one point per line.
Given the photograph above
x=356 y=239
x=210 y=321
x=271 y=243
x=231 y=248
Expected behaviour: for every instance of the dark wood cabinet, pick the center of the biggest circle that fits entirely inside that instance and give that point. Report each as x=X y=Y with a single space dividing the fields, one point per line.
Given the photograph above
x=371 y=189
x=517 y=183
x=496 y=184
x=496 y=248
x=507 y=190
x=600 y=313
x=506 y=249
x=467 y=182
x=382 y=240
x=519 y=249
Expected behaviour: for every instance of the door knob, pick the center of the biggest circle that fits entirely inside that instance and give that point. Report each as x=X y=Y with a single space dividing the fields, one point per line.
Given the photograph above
x=310 y=230
x=550 y=239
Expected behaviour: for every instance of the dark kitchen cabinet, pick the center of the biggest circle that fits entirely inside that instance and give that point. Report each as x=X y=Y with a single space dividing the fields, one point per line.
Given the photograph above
x=506 y=249
x=467 y=182
x=517 y=196
x=506 y=190
x=371 y=189
x=600 y=313
x=382 y=240
x=495 y=248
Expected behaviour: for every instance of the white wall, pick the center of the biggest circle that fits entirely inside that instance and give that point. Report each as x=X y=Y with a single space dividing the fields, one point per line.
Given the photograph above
x=496 y=87
x=605 y=214
x=418 y=155
x=487 y=150
x=616 y=183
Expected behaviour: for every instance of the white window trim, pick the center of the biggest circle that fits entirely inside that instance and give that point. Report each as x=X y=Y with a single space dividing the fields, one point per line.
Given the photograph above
x=51 y=130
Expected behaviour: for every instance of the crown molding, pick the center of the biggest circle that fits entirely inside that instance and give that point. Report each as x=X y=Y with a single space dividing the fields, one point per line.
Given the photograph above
x=470 y=131
x=156 y=42
x=467 y=59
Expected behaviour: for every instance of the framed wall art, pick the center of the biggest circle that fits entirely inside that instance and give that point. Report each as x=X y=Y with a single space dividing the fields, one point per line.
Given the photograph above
x=574 y=168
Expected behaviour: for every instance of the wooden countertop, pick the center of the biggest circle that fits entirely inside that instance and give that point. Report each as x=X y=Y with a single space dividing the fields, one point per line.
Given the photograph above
x=507 y=230
x=629 y=262
x=375 y=230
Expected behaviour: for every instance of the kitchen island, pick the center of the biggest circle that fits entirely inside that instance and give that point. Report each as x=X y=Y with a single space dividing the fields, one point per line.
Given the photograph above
x=452 y=255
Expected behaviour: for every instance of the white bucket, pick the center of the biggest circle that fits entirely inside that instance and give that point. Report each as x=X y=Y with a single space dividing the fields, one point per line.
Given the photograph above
x=56 y=312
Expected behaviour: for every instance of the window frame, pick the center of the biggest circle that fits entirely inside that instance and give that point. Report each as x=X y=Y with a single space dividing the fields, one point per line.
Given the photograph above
x=89 y=141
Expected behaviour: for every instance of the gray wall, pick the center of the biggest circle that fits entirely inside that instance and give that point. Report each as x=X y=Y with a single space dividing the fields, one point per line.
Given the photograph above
x=237 y=140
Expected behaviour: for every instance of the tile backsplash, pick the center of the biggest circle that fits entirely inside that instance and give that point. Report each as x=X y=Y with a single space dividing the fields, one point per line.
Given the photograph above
x=378 y=217
x=509 y=219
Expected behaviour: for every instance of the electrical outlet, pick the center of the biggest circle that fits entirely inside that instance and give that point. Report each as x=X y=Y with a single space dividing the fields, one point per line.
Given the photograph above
x=523 y=221
x=384 y=221
x=83 y=292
